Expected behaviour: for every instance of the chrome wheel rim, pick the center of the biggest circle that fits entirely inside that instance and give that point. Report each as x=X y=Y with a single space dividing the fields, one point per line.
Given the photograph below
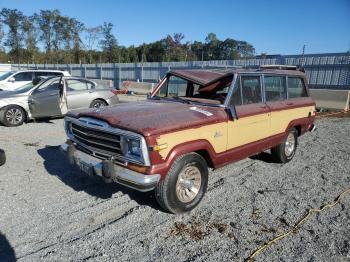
x=188 y=183
x=289 y=145
x=14 y=116
x=98 y=105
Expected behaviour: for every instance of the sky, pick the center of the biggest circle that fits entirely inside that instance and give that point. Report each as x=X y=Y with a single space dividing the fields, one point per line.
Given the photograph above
x=271 y=26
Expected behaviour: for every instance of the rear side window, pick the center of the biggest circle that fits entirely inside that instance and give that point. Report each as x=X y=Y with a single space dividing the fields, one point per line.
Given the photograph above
x=251 y=89
x=275 y=88
x=296 y=87
x=24 y=76
x=78 y=85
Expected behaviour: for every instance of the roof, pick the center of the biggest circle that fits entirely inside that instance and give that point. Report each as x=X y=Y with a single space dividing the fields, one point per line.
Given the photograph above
x=202 y=77
x=205 y=77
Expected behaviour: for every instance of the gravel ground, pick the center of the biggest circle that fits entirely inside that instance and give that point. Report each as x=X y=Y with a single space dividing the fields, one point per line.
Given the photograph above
x=50 y=212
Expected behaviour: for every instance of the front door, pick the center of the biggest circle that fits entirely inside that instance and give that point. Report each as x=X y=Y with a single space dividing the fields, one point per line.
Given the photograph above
x=251 y=127
x=49 y=99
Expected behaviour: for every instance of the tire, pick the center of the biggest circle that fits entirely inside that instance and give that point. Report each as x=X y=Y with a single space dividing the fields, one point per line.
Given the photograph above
x=98 y=103
x=284 y=152
x=172 y=194
x=13 y=116
x=2 y=157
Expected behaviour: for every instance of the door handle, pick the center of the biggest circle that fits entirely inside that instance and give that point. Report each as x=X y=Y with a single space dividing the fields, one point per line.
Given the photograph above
x=290 y=103
x=31 y=102
x=53 y=94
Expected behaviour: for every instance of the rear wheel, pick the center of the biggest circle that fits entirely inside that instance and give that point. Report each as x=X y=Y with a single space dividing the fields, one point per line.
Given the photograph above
x=285 y=151
x=13 y=116
x=98 y=103
x=185 y=184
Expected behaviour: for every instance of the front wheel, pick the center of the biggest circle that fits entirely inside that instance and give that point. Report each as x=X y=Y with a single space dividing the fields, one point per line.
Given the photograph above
x=13 y=116
x=98 y=103
x=185 y=184
x=285 y=151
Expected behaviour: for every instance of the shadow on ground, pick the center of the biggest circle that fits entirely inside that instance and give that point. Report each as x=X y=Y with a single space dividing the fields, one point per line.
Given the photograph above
x=56 y=164
x=263 y=156
x=6 y=251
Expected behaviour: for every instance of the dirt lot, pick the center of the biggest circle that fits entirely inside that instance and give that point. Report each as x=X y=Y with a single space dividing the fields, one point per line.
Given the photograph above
x=49 y=212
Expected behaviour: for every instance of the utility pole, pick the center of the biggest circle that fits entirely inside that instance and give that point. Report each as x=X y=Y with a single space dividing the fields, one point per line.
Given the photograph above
x=303 y=56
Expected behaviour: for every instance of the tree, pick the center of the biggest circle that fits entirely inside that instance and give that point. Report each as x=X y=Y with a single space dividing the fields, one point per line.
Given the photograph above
x=77 y=28
x=13 y=19
x=93 y=34
x=30 y=37
x=109 y=43
x=2 y=34
x=46 y=20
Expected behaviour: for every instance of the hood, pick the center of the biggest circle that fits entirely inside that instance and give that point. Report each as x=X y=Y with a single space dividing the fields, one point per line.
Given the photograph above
x=9 y=94
x=154 y=117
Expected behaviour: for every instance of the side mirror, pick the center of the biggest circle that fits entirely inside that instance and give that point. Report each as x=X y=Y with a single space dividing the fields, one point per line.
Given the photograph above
x=12 y=80
x=36 y=81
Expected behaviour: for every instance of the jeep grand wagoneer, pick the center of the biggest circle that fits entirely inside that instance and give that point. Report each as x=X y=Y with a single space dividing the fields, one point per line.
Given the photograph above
x=193 y=120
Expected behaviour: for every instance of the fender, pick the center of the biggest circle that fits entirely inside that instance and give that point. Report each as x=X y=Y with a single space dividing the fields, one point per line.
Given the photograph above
x=181 y=149
x=304 y=123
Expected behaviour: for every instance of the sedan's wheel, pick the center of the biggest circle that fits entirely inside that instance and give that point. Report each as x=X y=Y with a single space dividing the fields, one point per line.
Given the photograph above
x=284 y=152
x=185 y=184
x=98 y=103
x=13 y=116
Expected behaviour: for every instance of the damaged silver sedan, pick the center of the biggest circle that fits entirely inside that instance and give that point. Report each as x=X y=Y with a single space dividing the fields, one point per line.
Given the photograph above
x=52 y=97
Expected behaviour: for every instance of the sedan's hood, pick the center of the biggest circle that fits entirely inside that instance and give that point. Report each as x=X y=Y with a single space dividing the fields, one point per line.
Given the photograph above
x=10 y=94
x=154 y=117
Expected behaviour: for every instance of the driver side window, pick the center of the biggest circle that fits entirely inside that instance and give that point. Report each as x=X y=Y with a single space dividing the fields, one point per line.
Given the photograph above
x=49 y=86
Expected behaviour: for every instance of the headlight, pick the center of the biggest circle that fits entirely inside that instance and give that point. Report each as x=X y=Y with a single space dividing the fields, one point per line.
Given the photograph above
x=131 y=147
x=68 y=128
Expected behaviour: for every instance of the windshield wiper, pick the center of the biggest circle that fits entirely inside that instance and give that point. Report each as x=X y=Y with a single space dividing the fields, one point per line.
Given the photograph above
x=176 y=98
x=185 y=101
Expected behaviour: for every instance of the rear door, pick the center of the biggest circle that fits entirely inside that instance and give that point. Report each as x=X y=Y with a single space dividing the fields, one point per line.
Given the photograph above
x=80 y=93
x=287 y=99
x=276 y=98
x=253 y=115
x=45 y=101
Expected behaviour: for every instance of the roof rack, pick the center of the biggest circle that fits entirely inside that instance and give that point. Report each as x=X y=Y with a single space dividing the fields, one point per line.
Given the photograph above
x=283 y=67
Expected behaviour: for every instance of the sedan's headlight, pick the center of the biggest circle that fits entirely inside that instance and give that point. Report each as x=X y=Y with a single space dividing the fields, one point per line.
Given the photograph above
x=131 y=147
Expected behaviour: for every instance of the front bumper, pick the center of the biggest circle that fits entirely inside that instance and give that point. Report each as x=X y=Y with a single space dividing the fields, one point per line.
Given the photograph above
x=108 y=170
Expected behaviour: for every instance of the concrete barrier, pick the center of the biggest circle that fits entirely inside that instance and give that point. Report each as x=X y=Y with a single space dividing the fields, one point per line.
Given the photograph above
x=138 y=87
x=104 y=83
x=331 y=99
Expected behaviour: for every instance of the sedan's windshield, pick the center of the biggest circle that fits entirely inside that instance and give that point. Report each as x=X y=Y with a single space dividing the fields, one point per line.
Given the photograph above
x=6 y=75
x=24 y=88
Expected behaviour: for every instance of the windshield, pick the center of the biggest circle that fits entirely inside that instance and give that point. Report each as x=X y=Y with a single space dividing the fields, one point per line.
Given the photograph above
x=24 y=88
x=6 y=75
x=178 y=89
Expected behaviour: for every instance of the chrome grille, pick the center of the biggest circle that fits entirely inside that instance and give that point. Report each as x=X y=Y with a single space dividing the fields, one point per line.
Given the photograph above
x=96 y=139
